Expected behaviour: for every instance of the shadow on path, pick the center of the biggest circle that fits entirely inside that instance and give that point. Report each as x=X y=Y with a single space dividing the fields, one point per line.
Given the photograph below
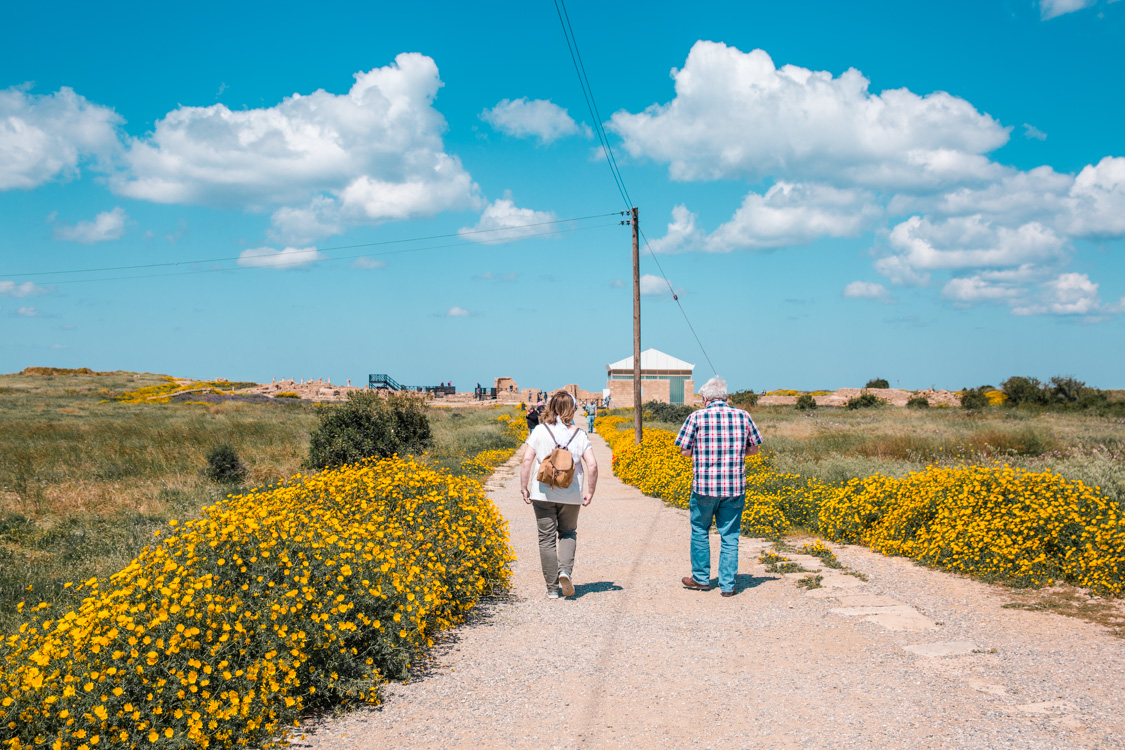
x=597 y=587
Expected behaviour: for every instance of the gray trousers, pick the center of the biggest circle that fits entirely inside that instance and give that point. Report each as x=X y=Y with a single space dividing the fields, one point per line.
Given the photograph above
x=556 y=521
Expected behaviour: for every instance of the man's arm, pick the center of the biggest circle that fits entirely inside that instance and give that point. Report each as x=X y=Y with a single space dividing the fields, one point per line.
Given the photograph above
x=686 y=439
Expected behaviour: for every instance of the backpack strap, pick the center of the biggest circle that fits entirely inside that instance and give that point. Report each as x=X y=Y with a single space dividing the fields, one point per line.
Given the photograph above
x=556 y=440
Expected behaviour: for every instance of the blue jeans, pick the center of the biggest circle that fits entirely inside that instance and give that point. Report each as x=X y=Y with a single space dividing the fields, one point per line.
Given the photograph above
x=727 y=513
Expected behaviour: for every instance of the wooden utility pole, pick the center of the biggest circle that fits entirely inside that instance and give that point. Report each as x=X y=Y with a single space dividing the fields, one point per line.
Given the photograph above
x=636 y=328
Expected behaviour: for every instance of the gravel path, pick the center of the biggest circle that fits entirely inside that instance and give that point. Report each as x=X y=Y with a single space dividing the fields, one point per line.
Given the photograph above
x=634 y=660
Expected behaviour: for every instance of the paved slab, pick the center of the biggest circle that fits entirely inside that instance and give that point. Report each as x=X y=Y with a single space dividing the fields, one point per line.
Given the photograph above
x=947 y=648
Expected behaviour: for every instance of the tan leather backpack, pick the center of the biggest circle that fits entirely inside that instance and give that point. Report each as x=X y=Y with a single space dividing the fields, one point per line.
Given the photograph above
x=557 y=469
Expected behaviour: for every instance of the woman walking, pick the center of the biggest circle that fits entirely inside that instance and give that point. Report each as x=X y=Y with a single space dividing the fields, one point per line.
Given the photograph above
x=556 y=508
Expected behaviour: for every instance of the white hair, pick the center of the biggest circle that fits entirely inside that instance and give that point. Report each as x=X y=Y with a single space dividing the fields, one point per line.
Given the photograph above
x=715 y=388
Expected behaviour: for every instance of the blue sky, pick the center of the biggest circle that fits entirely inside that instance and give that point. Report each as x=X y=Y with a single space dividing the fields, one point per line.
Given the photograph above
x=930 y=193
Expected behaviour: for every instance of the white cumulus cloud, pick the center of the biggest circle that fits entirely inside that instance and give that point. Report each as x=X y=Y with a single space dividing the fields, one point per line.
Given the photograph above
x=457 y=312
x=325 y=161
x=290 y=257
x=18 y=289
x=1049 y=9
x=27 y=312
x=653 y=285
x=108 y=225
x=539 y=118
x=922 y=244
x=503 y=221
x=795 y=214
x=48 y=137
x=866 y=290
x=735 y=114
x=973 y=289
x=1068 y=294
x=787 y=214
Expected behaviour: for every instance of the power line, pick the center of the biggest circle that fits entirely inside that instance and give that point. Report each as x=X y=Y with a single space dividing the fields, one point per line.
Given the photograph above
x=588 y=95
x=603 y=139
x=167 y=264
x=328 y=259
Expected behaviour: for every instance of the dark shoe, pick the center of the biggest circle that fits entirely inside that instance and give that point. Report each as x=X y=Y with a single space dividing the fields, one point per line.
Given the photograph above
x=690 y=583
x=732 y=592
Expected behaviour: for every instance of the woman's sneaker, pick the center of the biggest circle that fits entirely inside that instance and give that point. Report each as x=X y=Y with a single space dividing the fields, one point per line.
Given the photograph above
x=565 y=584
x=552 y=594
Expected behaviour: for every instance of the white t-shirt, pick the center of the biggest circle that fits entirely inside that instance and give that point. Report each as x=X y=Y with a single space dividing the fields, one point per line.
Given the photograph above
x=542 y=440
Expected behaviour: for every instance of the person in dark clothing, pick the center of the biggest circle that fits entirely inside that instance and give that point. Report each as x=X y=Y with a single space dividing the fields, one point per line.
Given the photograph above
x=533 y=413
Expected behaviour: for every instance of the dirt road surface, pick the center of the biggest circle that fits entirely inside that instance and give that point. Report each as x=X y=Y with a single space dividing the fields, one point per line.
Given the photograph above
x=912 y=658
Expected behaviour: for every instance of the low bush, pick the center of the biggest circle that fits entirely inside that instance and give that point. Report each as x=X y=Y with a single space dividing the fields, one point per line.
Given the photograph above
x=287 y=394
x=224 y=465
x=368 y=425
x=805 y=402
x=918 y=402
x=973 y=399
x=661 y=412
x=743 y=399
x=865 y=401
x=877 y=383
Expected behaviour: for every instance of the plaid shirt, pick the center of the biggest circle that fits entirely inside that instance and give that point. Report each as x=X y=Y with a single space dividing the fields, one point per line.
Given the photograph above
x=718 y=436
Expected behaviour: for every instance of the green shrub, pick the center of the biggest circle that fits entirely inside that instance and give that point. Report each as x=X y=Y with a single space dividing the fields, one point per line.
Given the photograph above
x=865 y=401
x=1025 y=392
x=877 y=383
x=223 y=465
x=662 y=412
x=367 y=425
x=805 y=402
x=973 y=399
x=743 y=398
x=287 y=394
x=918 y=402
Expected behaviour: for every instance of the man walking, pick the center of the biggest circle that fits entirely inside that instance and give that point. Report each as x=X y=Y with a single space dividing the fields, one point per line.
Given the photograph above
x=717 y=438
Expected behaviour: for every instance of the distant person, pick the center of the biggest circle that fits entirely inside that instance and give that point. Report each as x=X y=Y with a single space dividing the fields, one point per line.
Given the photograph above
x=556 y=509
x=717 y=438
x=591 y=413
x=533 y=412
x=607 y=402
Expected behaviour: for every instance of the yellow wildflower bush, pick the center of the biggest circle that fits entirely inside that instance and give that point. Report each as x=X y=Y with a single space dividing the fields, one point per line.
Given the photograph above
x=162 y=392
x=995 y=397
x=1021 y=527
x=309 y=593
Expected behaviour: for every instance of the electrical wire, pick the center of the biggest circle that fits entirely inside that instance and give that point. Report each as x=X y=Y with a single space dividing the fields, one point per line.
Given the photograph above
x=325 y=249
x=603 y=139
x=334 y=258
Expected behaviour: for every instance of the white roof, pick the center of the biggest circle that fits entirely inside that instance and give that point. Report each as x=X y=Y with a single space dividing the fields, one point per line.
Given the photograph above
x=652 y=359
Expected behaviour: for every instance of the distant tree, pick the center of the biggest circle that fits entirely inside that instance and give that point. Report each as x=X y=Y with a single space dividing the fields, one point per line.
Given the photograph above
x=877 y=383
x=973 y=399
x=1024 y=391
x=743 y=399
x=805 y=402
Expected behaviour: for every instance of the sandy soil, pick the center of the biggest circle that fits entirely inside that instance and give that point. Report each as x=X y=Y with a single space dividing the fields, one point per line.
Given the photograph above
x=634 y=660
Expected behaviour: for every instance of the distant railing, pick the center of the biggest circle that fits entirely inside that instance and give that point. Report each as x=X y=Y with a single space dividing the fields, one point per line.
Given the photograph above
x=482 y=394
x=382 y=380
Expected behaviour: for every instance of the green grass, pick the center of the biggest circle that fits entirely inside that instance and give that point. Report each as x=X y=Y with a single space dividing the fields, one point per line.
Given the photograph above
x=85 y=482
